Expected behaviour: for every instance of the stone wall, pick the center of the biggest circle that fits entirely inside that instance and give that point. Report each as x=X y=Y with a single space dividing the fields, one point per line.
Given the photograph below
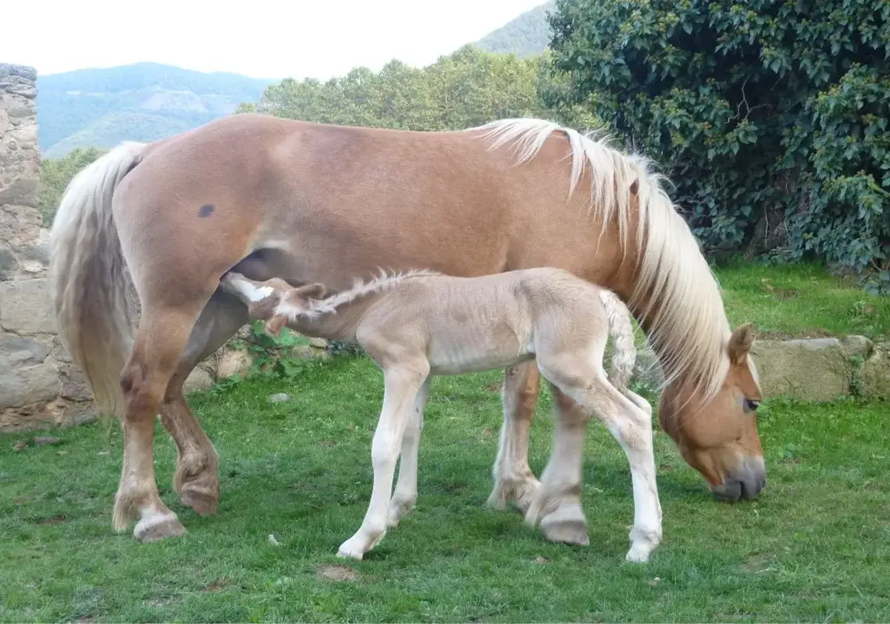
x=38 y=384
x=815 y=370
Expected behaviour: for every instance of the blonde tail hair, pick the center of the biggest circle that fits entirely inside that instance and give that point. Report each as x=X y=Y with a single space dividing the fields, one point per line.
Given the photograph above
x=624 y=355
x=88 y=276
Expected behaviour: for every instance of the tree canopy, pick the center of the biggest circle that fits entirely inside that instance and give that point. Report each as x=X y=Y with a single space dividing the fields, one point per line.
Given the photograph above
x=466 y=88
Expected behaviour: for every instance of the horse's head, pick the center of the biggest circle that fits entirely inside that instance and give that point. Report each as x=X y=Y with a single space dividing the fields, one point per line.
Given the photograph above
x=719 y=437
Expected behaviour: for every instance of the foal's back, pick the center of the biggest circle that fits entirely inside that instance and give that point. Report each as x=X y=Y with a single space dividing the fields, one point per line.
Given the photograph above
x=481 y=323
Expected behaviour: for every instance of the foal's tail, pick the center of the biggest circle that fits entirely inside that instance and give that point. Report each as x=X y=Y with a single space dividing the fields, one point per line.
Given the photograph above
x=89 y=280
x=624 y=356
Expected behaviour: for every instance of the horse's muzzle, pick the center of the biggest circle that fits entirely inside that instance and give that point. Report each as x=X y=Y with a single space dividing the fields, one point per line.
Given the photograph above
x=745 y=483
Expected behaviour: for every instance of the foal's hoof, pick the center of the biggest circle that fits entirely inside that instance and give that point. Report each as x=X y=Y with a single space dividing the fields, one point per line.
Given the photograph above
x=350 y=551
x=567 y=526
x=158 y=527
x=638 y=554
x=200 y=498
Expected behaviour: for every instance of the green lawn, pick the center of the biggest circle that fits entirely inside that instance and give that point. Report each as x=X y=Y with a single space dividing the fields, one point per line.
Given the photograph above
x=814 y=547
x=801 y=300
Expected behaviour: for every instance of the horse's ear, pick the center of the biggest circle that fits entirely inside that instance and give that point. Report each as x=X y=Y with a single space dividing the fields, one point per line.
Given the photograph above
x=635 y=187
x=740 y=343
x=275 y=324
x=311 y=291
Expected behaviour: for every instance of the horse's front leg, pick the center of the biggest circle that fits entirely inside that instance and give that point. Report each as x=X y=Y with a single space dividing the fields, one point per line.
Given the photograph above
x=405 y=496
x=557 y=503
x=402 y=384
x=514 y=480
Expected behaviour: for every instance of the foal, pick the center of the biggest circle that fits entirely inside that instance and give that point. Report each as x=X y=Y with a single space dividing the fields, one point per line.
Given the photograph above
x=421 y=324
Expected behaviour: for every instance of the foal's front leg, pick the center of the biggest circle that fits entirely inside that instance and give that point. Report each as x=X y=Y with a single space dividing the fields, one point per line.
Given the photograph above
x=405 y=496
x=402 y=385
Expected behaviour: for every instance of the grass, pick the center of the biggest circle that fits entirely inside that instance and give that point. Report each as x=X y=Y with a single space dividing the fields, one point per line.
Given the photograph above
x=815 y=546
x=801 y=300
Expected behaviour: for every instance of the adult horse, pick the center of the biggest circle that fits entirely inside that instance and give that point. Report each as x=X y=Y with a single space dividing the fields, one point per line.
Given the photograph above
x=308 y=202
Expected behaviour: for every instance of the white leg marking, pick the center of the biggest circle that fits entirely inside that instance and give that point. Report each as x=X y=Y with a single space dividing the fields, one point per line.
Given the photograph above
x=398 y=400
x=405 y=496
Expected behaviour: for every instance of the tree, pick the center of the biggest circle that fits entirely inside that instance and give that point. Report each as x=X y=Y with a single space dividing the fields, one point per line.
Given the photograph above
x=762 y=112
x=56 y=174
x=464 y=89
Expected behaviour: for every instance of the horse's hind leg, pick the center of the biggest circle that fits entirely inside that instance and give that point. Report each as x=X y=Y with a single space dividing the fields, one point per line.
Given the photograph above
x=197 y=465
x=513 y=478
x=163 y=333
x=558 y=503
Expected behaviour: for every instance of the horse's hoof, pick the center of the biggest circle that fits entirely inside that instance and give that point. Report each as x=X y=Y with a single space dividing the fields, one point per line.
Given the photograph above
x=567 y=526
x=158 y=527
x=638 y=553
x=350 y=551
x=519 y=492
x=200 y=498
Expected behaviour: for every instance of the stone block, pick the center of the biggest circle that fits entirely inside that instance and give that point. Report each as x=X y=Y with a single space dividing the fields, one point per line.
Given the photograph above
x=8 y=264
x=74 y=384
x=815 y=370
x=199 y=379
x=26 y=307
x=22 y=351
x=22 y=384
x=22 y=191
x=233 y=363
x=876 y=373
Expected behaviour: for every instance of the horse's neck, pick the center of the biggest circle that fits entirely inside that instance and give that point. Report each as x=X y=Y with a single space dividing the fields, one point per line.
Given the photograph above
x=341 y=323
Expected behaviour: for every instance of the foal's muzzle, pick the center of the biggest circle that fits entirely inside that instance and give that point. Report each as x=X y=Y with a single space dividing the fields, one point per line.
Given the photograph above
x=746 y=482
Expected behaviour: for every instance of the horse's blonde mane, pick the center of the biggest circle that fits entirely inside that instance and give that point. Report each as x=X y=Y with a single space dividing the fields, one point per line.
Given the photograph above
x=689 y=330
x=360 y=289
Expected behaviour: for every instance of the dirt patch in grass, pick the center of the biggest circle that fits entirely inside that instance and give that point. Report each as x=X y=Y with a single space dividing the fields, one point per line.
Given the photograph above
x=336 y=573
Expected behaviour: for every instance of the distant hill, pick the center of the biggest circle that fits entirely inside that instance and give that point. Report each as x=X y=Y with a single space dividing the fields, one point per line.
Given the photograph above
x=140 y=102
x=524 y=36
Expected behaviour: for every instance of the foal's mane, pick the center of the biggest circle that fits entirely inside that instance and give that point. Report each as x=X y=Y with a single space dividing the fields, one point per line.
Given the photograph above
x=360 y=290
x=689 y=329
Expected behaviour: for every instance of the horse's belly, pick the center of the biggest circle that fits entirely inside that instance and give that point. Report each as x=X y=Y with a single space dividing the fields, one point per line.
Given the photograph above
x=456 y=358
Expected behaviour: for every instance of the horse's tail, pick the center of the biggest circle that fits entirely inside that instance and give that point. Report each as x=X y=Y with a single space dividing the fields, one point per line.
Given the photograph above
x=89 y=280
x=624 y=355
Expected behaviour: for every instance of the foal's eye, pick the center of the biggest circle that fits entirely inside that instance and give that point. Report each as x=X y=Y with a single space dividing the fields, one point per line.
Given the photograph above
x=751 y=404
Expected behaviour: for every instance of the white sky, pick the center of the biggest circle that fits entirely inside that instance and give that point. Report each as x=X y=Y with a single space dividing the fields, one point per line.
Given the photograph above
x=260 y=38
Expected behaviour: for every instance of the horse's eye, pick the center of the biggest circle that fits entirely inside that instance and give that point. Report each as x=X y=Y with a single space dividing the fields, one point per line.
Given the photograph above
x=751 y=404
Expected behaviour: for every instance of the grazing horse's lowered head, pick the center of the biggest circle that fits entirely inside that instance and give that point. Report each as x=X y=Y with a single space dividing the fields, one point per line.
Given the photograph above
x=718 y=437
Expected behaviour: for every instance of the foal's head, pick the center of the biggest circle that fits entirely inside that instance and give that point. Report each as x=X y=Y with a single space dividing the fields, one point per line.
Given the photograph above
x=285 y=302
x=719 y=437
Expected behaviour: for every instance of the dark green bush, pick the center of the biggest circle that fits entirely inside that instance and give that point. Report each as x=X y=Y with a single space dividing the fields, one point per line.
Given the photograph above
x=769 y=117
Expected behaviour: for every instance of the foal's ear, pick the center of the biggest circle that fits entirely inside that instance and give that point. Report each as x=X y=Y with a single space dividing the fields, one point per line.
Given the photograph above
x=740 y=343
x=311 y=291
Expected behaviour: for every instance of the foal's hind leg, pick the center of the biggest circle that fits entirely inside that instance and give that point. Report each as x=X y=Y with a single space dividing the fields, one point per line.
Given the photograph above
x=197 y=465
x=405 y=496
x=513 y=478
x=163 y=332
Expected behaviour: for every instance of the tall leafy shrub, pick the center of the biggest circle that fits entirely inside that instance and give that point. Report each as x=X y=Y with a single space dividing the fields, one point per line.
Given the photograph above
x=770 y=117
